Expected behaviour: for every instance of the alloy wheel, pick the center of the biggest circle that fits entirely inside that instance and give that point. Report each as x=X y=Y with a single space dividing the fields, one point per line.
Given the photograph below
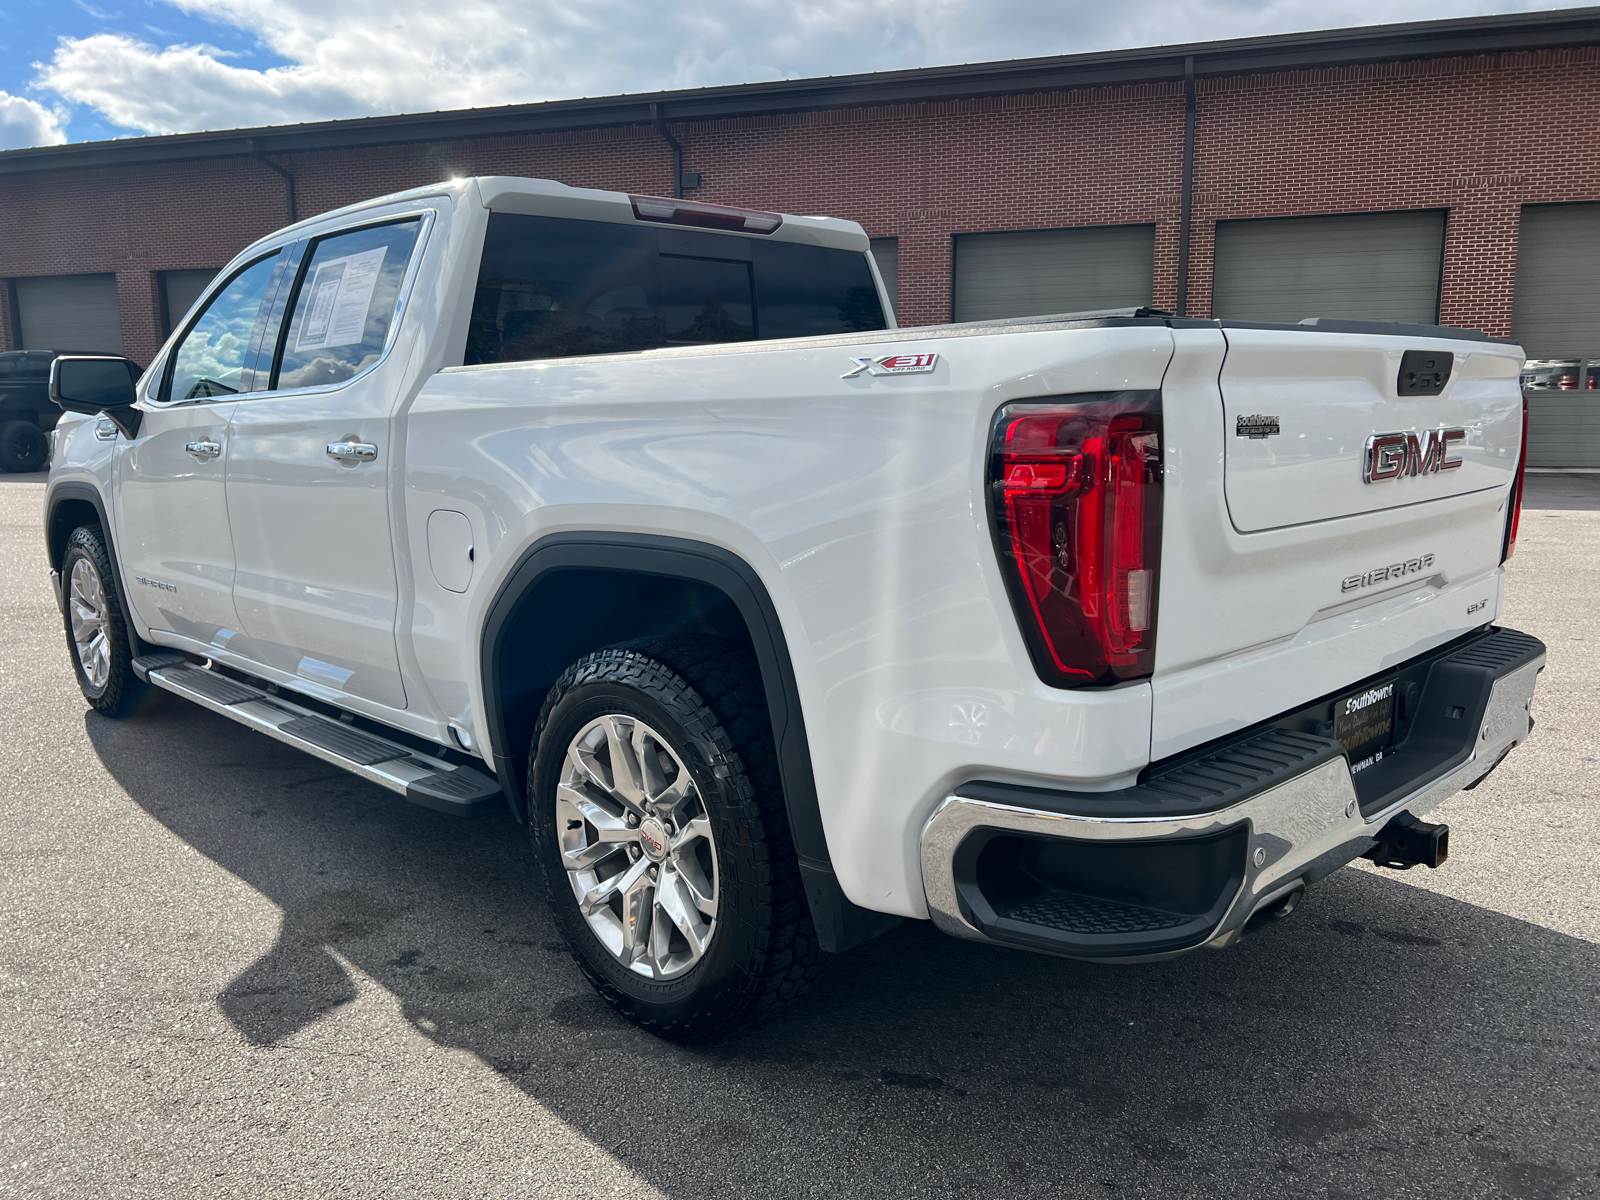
x=86 y=606
x=637 y=846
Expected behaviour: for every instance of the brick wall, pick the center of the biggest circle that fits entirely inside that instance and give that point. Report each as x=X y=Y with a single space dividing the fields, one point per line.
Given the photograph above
x=1480 y=136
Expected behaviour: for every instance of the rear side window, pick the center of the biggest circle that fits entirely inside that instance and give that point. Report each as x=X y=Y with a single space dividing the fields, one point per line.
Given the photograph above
x=549 y=287
x=344 y=304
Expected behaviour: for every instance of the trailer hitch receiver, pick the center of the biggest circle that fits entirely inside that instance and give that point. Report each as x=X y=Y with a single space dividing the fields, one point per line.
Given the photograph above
x=1405 y=841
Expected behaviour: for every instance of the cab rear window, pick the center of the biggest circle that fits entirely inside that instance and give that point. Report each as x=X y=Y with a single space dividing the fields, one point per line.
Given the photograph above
x=551 y=287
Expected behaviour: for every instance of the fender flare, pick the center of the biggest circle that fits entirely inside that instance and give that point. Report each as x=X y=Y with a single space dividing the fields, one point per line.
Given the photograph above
x=74 y=490
x=840 y=924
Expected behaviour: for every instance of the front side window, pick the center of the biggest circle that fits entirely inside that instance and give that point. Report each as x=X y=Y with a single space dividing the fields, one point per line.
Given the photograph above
x=345 y=304
x=210 y=359
x=552 y=287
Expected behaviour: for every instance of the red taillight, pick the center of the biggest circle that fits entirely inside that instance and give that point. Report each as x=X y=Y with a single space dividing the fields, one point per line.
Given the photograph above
x=1077 y=507
x=710 y=216
x=1514 y=517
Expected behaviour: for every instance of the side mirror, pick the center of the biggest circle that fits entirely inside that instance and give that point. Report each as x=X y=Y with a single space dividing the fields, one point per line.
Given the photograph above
x=97 y=383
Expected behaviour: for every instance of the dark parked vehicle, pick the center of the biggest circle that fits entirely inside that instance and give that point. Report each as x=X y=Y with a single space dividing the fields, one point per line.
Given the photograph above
x=26 y=413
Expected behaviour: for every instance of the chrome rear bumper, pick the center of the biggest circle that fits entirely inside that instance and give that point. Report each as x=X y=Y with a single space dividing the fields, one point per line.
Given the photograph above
x=1298 y=829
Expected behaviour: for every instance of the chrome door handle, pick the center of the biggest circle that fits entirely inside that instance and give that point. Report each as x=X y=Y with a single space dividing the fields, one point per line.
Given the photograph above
x=352 y=451
x=205 y=451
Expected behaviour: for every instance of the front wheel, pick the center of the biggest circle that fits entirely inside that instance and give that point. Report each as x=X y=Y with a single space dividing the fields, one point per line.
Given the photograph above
x=657 y=817
x=98 y=637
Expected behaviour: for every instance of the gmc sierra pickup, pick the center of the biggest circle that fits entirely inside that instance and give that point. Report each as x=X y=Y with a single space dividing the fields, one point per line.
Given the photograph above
x=1105 y=635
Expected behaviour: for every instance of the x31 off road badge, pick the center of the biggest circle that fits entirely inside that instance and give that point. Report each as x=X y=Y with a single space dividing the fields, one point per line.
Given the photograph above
x=893 y=364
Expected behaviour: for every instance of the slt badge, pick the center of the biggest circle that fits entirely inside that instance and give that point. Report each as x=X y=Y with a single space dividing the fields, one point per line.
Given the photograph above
x=893 y=364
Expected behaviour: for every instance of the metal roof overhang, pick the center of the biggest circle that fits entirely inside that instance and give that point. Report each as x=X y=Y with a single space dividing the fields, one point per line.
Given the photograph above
x=1240 y=56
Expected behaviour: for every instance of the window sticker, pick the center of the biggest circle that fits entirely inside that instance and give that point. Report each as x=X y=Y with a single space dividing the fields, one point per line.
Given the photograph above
x=341 y=293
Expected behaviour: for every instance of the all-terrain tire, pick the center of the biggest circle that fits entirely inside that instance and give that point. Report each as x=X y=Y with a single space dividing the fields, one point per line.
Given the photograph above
x=704 y=696
x=23 y=447
x=121 y=690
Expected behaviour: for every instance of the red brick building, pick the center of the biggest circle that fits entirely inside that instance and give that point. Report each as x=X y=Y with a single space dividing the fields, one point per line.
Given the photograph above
x=1443 y=171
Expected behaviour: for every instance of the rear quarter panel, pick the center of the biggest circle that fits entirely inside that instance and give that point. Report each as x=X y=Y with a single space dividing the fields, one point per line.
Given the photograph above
x=860 y=504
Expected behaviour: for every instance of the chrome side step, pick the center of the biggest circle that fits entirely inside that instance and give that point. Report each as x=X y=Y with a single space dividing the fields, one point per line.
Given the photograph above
x=421 y=779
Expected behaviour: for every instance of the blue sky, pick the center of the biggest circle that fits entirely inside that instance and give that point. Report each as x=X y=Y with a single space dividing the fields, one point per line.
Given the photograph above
x=82 y=70
x=31 y=29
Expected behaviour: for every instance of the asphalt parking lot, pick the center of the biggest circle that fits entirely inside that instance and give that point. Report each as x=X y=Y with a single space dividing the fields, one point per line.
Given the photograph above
x=228 y=970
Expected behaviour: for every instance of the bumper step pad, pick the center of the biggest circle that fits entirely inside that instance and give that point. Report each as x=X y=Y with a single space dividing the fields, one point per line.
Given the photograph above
x=420 y=778
x=1072 y=913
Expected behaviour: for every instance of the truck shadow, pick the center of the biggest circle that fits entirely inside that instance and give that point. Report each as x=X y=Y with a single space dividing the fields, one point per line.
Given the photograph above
x=1383 y=1040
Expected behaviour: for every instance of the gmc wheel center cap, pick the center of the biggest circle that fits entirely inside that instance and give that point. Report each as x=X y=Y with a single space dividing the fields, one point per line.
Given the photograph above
x=653 y=839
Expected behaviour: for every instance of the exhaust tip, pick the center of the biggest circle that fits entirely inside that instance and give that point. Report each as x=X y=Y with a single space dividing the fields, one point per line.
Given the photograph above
x=1276 y=908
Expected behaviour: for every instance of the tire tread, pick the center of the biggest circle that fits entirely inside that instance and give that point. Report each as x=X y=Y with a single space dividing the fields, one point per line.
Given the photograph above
x=123 y=689
x=716 y=684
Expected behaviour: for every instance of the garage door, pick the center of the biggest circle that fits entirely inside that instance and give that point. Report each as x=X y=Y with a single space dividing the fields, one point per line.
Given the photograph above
x=1042 y=271
x=1365 y=266
x=1556 y=317
x=70 y=312
x=180 y=289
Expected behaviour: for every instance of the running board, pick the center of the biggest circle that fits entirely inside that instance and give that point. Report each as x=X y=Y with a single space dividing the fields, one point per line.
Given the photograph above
x=423 y=780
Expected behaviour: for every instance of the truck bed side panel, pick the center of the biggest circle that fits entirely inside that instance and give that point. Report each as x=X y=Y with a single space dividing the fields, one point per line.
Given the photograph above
x=859 y=502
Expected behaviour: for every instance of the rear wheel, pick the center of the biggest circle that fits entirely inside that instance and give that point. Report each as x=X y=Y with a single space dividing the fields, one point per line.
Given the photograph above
x=23 y=447
x=657 y=817
x=98 y=637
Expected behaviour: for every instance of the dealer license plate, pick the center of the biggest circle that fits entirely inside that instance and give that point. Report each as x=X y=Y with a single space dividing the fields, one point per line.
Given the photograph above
x=1364 y=722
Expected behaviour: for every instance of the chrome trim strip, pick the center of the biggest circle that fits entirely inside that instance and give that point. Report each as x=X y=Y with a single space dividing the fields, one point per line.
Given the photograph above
x=1291 y=825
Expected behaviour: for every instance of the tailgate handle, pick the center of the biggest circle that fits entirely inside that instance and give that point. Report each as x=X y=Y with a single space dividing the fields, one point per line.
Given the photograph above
x=1424 y=372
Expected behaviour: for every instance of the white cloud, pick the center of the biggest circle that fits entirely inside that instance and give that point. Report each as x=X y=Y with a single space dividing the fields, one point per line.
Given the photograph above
x=25 y=122
x=183 y=88
x=350 y=58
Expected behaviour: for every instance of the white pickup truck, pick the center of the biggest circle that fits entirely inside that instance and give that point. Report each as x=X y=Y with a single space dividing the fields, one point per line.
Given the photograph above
x=1104 y=635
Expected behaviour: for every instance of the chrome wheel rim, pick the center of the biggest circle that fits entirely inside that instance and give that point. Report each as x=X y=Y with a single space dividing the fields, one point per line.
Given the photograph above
x=637 y=847
x=86 y=608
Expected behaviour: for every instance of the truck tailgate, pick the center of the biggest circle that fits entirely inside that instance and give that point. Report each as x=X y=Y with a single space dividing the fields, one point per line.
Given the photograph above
x=1286 y=575
x=1326 y=394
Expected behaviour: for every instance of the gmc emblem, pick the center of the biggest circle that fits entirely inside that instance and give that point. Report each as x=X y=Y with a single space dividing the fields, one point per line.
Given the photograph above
x=1393 y=455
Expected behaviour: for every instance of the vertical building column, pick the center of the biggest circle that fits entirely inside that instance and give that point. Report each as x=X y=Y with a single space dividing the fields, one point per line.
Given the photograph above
x=139 y=306
x=1164 y=285
x=1478 y=281
x=925 y=277
x=1202 y=262
x=10 y=319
